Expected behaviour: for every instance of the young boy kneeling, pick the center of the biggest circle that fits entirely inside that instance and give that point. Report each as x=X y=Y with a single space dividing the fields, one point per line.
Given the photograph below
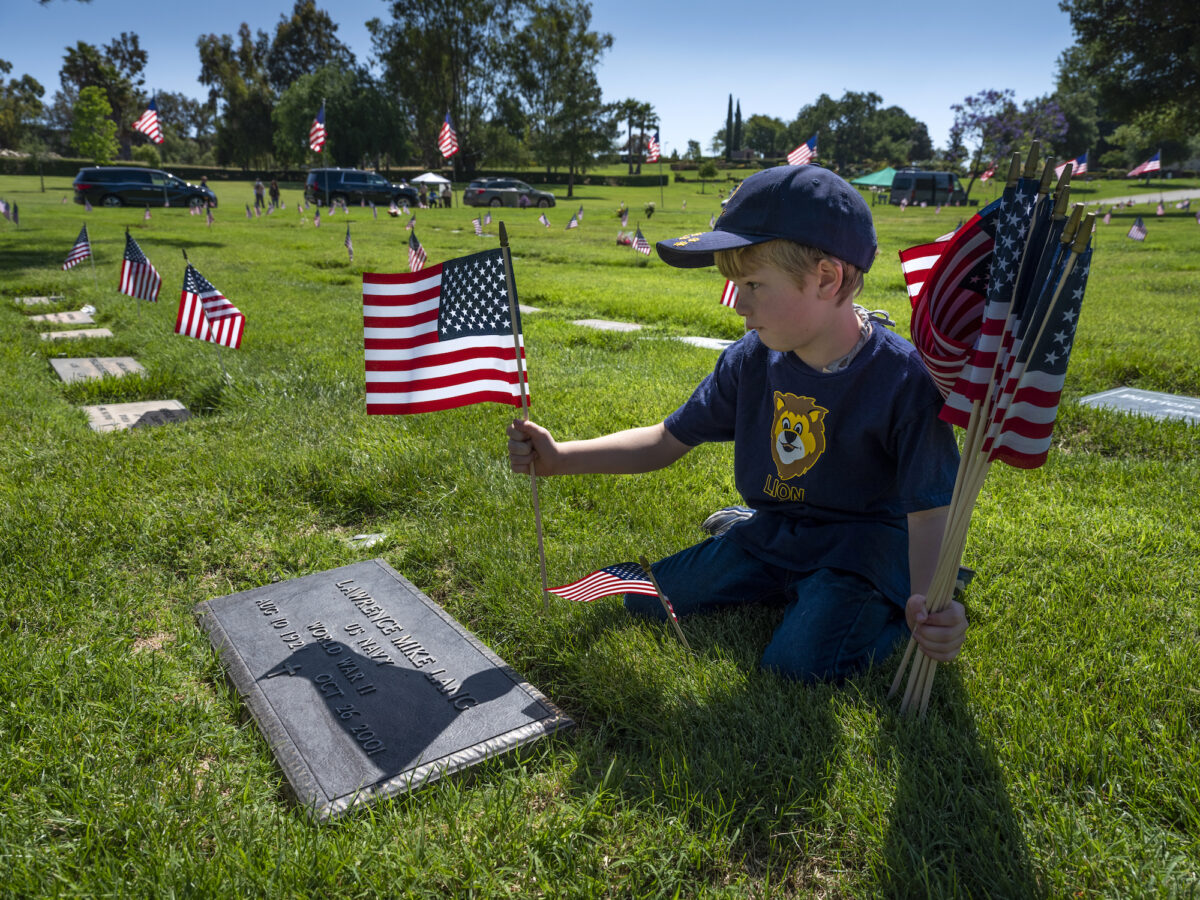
x=838 y=449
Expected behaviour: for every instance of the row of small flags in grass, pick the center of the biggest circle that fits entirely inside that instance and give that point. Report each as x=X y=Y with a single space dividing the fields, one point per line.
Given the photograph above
x=204 y=312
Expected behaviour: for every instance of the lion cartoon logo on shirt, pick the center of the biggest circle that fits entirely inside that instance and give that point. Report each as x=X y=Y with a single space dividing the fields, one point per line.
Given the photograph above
x=797 y=434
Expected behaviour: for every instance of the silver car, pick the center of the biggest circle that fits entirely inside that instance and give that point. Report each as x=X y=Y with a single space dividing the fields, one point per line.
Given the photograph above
x=505 y=192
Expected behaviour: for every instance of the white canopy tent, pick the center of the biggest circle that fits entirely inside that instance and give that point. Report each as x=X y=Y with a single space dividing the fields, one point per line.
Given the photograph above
x=430 y=178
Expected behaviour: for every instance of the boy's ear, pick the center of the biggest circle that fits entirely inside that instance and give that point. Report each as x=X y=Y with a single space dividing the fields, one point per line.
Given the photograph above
x=830 y=276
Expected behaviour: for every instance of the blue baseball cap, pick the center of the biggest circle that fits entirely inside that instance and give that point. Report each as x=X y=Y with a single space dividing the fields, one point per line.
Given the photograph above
x=806 y=204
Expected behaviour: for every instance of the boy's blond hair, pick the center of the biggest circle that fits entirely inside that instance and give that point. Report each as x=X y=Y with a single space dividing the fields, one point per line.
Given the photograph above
x=796 y=260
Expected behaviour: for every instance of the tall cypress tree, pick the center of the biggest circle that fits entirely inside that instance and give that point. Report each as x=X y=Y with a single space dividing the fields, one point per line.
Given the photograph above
x=729 y=131
x=737 y=126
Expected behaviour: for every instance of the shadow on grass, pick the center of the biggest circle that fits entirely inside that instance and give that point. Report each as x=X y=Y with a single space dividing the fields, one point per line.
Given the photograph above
x=770 y=768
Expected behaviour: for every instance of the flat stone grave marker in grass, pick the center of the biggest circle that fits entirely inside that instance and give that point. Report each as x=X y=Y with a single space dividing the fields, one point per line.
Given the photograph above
x=366 y=688
x=85 y=369
x=1148 y=403
x=71 y=317
x=604 y=325
x=526 y=310
x=706 y=342
x=39 y=301
x=142 y=414
x=77 y=333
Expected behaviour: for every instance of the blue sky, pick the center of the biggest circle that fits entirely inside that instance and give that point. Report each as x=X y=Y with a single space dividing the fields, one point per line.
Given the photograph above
x=685 y=59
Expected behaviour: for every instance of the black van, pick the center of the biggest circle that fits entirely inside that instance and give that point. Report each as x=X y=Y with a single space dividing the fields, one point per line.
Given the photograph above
x=932 y=188
x=135 y=186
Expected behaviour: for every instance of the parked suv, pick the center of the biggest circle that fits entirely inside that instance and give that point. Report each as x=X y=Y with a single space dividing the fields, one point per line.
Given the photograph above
x=137 y=186
x=918 y=187
x=354 y=186
x=504 y=192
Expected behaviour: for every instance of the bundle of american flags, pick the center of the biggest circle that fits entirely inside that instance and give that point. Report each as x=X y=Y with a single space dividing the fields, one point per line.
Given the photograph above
x=995 y=307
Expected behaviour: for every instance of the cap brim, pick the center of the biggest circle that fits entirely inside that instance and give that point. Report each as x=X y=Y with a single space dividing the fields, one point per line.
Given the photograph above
x=692 y=251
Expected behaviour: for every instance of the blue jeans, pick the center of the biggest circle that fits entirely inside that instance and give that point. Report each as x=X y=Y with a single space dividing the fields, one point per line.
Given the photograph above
x=834 y=623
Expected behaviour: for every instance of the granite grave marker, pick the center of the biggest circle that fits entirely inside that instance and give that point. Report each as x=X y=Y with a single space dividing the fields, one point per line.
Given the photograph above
x=143 y=413
x=1155 y=404
x=85 y=369
x=366 y=688
x=71 y=317
x=76 y=333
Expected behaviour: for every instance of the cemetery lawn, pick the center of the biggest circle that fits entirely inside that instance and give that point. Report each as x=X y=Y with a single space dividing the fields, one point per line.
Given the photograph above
x=1059 y=757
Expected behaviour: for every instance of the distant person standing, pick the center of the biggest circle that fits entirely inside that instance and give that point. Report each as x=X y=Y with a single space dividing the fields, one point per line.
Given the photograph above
x=274 y=193
x=446 y=198
x=259 y=191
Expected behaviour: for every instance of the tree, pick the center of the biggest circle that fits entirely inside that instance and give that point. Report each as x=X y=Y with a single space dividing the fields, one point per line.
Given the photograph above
x=766 y=136
x=237 y=82
x=635 y=112
x=738 y=142
x=693 y=151
x=440 y=57
x=989 y=126
x=117 y=70
x=93 y=132
x=706 y=172
x=553 y=60
x=360 y=124
x=854 y=131
x=1142 y=57
x=20 y=106
x=303 y=43
x=729 y=131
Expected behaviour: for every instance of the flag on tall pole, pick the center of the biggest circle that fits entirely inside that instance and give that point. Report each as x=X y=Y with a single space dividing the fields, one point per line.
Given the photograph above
x=447 y=139
x=147 y=123
x=653 y=149
x=803 y=154
x=416 y=253
x=1153 y=164
x=1079 y=166
x=349 y=243
x=316 y=134
x=81 y=251
x=139 y=278
x=205 y=313
x=988 y=172
x=441 y=338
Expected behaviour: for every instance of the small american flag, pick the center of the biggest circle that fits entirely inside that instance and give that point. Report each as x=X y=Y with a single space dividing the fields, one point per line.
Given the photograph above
x=621 y=578
x=374 y=211
x=81 y=251
x=640 y=244
x=729 y=294
x=410 y=224
x=138 y=277
x=574 y=223
x=988 y=173
x=147 y=123
x=205 y=313
x=487 y=218
x=209 y=216
x=653 y=149
x=349 y=243
x=447 y=139
x=1108 y=216
x=1162 y=210
x=87 y=205
x=316 y=134
x=478 y=226
x=712 y=221
x=624 y=218
x=579 y=213
x=542 y=218
x=803 y=154
x=146 y=214
x=248 y=216
x=1153 y=164
x=1137 y=232
x=317 y=216
x=416 y=253
x=441 y=338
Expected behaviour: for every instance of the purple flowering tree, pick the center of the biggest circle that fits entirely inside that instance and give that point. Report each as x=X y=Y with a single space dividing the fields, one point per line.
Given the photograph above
x=989 y=126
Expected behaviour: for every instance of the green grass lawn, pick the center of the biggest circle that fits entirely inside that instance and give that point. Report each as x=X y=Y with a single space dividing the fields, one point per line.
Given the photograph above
x=1059 y=757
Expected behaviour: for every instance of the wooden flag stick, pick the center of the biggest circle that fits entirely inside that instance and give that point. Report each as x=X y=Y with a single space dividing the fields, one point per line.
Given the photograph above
x=533 y=487
x=662 y=598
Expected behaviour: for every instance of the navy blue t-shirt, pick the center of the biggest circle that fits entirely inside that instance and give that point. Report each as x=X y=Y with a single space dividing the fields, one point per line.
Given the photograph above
x=832 y=463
